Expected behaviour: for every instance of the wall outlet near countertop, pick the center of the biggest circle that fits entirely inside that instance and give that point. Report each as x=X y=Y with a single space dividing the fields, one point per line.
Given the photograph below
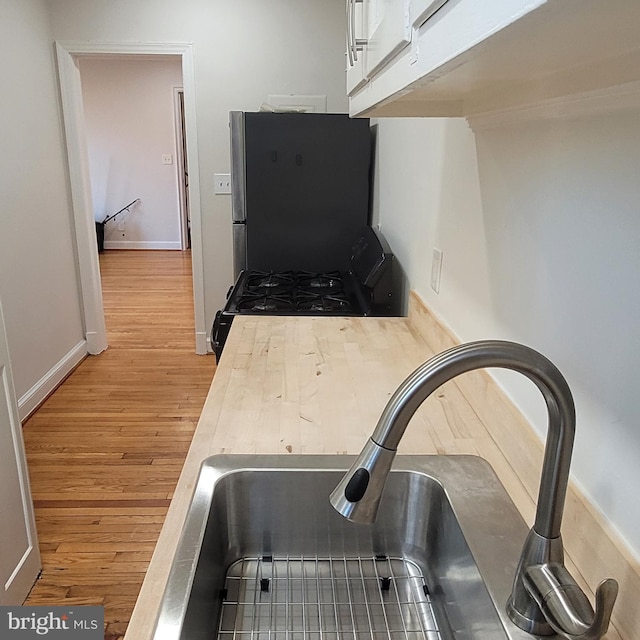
x=436 y=269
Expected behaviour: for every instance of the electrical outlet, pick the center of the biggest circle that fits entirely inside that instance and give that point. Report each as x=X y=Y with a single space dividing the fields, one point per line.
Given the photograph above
x=167 y=158
x=222 y=182
x=436 y=269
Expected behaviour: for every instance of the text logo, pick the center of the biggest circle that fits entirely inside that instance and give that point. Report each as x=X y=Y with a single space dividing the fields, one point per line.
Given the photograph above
x=52 y=623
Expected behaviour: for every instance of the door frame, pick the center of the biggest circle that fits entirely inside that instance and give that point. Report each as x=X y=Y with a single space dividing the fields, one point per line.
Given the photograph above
x=182 y=167
x=67 y=53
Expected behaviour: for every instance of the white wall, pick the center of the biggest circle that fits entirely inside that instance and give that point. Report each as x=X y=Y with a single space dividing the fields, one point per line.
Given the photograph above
x=243 y=51
x=37 y=263
x=540 y=231
x=129 y=115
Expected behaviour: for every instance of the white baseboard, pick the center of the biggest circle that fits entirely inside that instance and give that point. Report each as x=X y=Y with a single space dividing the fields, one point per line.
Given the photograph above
x=96 y=342
x=38 y=393
x=142 y=244
x=202 y=343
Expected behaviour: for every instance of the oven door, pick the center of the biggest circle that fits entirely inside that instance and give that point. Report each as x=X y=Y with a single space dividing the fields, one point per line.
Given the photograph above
x=220 y=331
x=222 y=322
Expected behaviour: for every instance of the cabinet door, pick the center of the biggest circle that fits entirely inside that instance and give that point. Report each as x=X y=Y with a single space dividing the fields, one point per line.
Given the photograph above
x=389 y=31
x=19 y=558
x=422 y=10
x=356 y=44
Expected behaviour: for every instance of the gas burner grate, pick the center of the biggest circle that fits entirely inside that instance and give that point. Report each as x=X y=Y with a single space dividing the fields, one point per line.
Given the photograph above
x=331 y=280
x=270 y=281
x=328 y=303
x=294 y=292
x=265 y=303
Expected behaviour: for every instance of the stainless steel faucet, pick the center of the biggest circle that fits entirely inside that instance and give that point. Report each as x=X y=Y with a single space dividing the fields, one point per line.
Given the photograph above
x=545 y=598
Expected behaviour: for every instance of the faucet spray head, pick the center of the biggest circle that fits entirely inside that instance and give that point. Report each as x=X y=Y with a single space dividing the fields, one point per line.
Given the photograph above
x=357 y=496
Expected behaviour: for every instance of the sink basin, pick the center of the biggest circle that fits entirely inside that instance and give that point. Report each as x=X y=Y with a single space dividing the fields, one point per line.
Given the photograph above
x=264 y=556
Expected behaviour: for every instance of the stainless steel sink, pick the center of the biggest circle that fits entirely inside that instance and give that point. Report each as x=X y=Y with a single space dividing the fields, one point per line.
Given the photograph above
x=264 y=556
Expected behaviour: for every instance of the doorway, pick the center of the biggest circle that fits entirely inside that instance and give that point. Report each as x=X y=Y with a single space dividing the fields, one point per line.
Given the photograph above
x=68 y=54
x=132 y=143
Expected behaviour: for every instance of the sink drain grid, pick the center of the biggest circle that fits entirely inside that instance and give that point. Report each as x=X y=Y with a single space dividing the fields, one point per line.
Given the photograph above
x=326 y=598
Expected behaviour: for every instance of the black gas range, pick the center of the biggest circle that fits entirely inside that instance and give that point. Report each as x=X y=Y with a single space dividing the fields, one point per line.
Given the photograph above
x=366 y=289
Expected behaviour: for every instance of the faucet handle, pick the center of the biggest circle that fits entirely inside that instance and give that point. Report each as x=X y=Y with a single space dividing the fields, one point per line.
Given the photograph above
x=606 y=593
x=564 y=605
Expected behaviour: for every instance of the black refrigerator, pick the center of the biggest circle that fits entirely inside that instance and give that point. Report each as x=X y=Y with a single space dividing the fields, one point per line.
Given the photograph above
x=300 y=189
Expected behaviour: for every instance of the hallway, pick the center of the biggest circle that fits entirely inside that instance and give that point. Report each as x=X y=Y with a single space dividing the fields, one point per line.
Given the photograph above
x=106 y=449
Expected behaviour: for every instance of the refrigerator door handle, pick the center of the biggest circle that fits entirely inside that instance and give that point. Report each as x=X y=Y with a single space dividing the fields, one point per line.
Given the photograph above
x=239 y=248
x=238 y=200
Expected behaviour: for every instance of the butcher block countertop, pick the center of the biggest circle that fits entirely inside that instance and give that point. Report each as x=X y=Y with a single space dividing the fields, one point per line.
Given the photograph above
x=316 y=385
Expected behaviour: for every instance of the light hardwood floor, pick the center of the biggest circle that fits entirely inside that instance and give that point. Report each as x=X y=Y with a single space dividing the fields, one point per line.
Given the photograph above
x=106 y=449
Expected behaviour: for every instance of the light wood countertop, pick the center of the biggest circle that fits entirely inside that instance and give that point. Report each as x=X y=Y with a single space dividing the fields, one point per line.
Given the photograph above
x=317 y=385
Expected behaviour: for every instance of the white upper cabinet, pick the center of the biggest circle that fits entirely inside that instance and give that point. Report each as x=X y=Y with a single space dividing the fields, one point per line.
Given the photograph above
x=376 y=31
x=357 y=36
x=477 y=57
x=389 y=31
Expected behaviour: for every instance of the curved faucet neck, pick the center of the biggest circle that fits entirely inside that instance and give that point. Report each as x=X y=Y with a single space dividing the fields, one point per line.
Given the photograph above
x=506 y=355
x=545 y=598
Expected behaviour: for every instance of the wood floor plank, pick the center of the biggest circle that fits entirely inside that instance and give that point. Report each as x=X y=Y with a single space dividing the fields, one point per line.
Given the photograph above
x=106 y=449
